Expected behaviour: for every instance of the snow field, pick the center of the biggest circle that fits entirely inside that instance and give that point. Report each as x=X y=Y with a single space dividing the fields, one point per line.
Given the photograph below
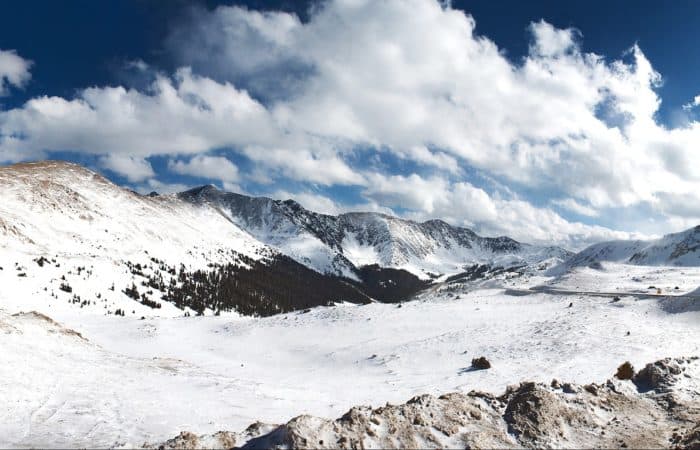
x=146 y=380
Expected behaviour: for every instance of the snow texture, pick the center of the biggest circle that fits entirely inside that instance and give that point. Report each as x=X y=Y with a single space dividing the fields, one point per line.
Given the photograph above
x=75 y=374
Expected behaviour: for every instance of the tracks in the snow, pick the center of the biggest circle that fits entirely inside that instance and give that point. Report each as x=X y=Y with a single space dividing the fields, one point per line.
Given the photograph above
x=556 y=291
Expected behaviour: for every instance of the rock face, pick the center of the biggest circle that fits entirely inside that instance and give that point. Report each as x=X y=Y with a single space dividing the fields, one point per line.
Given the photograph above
x=344 y=243
x=660 y=407
x=677 y=249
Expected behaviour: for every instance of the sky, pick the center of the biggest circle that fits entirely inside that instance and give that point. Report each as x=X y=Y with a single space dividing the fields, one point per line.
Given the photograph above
x=548 y=121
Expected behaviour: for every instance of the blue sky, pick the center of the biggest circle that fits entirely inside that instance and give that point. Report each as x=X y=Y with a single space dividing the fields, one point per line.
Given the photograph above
x=564 y=122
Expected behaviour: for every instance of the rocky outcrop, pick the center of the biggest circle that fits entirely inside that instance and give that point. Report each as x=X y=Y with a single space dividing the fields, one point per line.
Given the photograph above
x=659 y=407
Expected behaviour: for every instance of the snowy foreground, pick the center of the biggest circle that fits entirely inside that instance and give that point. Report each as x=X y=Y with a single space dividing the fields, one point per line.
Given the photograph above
x=97 y=380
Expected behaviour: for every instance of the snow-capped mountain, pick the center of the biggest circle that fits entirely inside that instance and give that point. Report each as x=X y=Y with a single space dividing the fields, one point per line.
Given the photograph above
x=676 y=249
x=68 y=233
x=344 y=243
x=64 y=209
x=68 y=236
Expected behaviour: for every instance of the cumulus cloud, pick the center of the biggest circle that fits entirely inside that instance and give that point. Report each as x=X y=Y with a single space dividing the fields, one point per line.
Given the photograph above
x=572 y=205
x=178 y=115
x=314 y=101
x=311 y=201
x=202 y=166
x=132 y=167
x=14 y=71
x=323 y=204
x=155 y=185
x=304 y=164
x=692 y=104
x=464 y=204
x=409 y=74
x=183 y=114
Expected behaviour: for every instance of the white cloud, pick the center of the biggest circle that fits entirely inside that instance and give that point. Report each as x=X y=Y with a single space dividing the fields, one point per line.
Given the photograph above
x=325 y=205
x=692 y=104
x=311 y=201
x=187 y=114
x=135 y=169
x=463 y=204
x=202 y=166
x=572 y=205
x=155 y=185
x=404 y=76
x=408 y=75
x=14 y=70
x=549 y=41
x=303 y=164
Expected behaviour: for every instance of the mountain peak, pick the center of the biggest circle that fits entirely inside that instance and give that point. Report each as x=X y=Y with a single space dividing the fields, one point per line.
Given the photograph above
x=678 y=249
x=343 y=244
x=202 y=190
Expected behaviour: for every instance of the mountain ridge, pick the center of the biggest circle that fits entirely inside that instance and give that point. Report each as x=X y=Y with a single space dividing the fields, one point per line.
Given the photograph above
x=675 y=249
x=76 y=236
x=342 y=244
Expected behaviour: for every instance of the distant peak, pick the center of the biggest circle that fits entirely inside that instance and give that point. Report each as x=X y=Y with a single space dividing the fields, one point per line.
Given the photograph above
x=436 y=222
x=292 y=204
x=207 y=188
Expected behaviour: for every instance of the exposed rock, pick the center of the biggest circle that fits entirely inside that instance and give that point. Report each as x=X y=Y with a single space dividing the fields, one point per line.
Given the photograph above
x=691 y=441
x=625 y=371
x=51 y=325
x=529 y=415
x=481 y=363
x=660 y=375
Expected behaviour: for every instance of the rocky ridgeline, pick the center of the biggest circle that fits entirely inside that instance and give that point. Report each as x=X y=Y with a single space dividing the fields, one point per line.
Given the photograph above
x=658 y=407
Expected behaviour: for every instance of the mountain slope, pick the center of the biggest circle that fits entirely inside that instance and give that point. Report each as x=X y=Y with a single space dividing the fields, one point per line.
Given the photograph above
x=343 y=244
x=63 y=208
x=67 y=234
x=676 y=249
x=70 y=238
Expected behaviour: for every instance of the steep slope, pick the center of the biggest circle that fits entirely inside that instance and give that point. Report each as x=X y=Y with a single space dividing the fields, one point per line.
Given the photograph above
x=309 y=238
x=343 y=244
x=68 y=234
x=676 y=249
x=70 y=237
x=64 y=209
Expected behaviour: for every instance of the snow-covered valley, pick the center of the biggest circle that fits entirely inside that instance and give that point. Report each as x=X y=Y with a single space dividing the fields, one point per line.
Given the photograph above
x=85 y=363
x=128 y=381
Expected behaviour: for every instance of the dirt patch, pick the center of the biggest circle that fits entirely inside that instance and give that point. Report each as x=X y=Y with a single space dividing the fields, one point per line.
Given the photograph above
x=54 y=327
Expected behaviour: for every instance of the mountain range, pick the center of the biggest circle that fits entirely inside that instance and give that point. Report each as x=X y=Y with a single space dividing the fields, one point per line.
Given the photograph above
x=343 y=244
x=675 y=249
x=209 y=250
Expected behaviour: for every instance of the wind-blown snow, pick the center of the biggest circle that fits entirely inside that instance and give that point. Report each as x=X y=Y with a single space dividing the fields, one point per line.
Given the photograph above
x=89 y=229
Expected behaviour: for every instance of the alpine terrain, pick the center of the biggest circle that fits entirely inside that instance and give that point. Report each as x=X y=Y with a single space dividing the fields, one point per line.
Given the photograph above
x=214 y=319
